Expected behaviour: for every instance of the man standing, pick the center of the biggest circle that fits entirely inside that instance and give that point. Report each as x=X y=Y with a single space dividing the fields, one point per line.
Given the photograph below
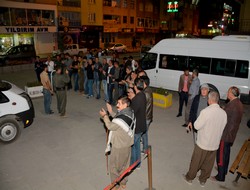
x=192 y=92
x=110 y=81
x=38 y=68
x=47 y=89
x=121 y=137
x=60 y=80
x=234 y=110
x=210 y=125
x=199 y=103
x=138 y=104
x=104 y=71
x=184 y=83
x=149 y=110
x=97 y=77
x=50 y=65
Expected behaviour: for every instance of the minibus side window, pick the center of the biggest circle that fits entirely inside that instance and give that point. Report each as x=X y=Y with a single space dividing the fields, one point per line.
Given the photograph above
x=149 y=61
x=242 y=69
x=218 y=66
x=176 y=62
x=230 y=67
x=200 y=63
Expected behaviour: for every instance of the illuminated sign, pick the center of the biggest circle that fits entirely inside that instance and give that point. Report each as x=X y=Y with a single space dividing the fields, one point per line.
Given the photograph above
x=27 y=29
x=172 y=6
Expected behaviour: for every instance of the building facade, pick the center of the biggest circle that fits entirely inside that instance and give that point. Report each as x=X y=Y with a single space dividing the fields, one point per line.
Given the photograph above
x=28 y=23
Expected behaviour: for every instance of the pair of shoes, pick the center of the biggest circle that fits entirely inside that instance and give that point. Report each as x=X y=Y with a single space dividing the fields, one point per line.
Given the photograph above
x=89 y=96
x=179 y=115
x=63 y=116
x=214 y=179
x=202 y=184
x=189 y=182
x=184 y=125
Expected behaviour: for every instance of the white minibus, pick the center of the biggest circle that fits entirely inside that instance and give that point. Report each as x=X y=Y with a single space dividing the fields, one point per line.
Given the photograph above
x=222 y=61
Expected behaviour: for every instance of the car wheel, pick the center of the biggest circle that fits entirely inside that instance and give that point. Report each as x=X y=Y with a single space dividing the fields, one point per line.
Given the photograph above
x=10 y=129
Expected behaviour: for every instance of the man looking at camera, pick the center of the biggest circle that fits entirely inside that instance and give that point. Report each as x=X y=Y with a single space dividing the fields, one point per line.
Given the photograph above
x=121 y=137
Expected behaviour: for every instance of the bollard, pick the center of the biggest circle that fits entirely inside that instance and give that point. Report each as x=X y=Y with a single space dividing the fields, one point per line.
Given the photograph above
x=150 y=180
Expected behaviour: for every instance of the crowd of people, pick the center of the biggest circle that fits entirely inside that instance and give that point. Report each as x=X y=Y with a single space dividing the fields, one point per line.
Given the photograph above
x=126 y=86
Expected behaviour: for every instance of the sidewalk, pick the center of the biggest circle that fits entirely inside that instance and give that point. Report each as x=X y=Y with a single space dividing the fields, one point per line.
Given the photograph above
x=68 y=154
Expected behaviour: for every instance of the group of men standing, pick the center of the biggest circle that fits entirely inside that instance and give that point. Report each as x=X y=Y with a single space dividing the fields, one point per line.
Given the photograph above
x=129 y=125
x=214 y=128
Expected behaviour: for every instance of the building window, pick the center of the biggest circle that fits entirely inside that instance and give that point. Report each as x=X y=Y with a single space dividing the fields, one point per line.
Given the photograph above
x=125 y=4
x=141 y=7
x=91 y=1
x=69 y=19
x=71 y=3
x=132 y=20
x=125 y=19
x=112 y=3
x=4 y=16
x=149 y=7
x=91 y=17
x=132 y=4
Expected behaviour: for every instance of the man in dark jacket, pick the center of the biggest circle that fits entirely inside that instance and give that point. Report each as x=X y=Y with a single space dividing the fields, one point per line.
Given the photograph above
x=198 y=104
x=234 y=110
x=138 y=104
x=149 y=110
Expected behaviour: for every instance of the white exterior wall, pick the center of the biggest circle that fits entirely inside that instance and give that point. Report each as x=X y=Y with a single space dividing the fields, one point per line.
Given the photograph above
x=45 y=43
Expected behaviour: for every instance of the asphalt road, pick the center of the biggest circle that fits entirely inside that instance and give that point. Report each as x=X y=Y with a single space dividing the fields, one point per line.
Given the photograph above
x=68 y=154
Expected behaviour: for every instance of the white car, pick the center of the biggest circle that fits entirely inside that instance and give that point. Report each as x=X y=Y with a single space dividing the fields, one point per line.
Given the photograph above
x=16 y=111
x=121 y=48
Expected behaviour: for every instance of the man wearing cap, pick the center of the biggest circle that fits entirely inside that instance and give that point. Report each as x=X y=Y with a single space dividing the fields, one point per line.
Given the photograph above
x=198 y=104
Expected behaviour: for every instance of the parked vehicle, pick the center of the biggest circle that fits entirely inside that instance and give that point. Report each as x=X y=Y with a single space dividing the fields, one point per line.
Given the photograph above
x=120 y=48
x=17 y=53
x=144 y=49
x=16 y=111
x=73 y=49
x=222 y=61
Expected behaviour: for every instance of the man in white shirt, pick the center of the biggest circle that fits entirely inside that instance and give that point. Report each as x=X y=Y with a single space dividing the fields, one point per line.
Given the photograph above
x=50 y=65
x=210 y=125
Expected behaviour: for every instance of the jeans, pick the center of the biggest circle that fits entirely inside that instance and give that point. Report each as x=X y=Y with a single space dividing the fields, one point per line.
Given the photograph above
x=90 y=87
x=97 y=88
x=145 y=137
x=105 y=89
x=47 y=100
x=183 y=98
x=110 y=92
x=136 y=149
x=85 y=84
x=75 y=78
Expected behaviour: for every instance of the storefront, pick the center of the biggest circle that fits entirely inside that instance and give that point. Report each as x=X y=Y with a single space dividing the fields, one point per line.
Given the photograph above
x=21 y=25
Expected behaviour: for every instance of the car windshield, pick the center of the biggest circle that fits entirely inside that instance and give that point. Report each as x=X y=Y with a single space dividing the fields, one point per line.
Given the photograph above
x=4 y=86
x=149 y=61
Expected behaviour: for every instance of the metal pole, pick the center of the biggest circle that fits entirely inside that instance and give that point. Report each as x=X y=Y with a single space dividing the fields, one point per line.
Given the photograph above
x=150 y=181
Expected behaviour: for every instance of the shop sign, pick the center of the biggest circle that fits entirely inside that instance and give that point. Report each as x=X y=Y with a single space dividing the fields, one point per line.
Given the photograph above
x=139 y=29
x=27 y=29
